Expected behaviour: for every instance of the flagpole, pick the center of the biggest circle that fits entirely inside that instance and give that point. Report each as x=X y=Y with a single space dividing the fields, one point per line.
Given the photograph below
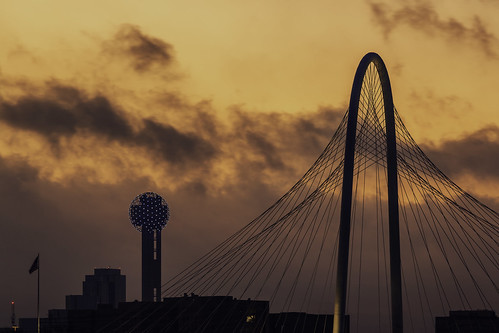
x=38 y=296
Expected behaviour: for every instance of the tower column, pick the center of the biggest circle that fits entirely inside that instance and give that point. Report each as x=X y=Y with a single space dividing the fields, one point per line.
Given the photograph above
x=157 y=266
x=151 y=266
x=149 y=213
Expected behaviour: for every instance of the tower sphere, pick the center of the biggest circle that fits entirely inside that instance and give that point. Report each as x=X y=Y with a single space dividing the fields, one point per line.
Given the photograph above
x=149 y=212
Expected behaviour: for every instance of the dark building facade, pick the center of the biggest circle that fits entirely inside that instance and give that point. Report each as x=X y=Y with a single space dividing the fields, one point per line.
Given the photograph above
x=105 y=286
x=102 y=292
x=221 y=314
x=478 y=321
x=187 y=314
x=302 y=322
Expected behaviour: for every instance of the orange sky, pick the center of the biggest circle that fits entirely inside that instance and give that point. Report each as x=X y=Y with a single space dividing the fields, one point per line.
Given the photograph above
x=225 y=85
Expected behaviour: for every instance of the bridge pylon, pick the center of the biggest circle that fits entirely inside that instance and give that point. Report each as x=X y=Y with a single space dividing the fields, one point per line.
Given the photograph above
x=371 y=73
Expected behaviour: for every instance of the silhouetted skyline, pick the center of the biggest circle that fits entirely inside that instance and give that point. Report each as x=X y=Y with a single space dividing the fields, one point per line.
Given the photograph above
x=203 y=103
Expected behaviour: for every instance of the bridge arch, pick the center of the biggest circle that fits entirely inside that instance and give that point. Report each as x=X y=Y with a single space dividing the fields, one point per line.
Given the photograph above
x=365 y=76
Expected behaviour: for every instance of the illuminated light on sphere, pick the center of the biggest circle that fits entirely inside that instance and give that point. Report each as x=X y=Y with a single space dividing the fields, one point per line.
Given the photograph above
x=149 y=212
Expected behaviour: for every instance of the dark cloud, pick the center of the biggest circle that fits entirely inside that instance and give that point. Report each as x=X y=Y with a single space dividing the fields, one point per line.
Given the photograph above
x=265 y=148
x=45 y=117
x=172 y=145
x=189 y=134
x=422 y=17
x=145 y=52
x=65 y=111
x=476 y=154
x=303 y=133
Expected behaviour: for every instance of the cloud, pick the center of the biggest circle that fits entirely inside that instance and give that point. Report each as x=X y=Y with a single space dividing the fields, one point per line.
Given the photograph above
x=189 y=135
x=144 y=52
x=476 y=153
x=172 y=145
x=266 y=148
x=304 y=132
x=64 y=112
x=422 y=17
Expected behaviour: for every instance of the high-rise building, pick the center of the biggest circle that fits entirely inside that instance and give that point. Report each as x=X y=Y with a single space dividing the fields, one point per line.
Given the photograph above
x=105 y=286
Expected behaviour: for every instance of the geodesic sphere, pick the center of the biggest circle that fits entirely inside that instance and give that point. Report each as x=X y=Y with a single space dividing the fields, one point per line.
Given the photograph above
x=149 y=212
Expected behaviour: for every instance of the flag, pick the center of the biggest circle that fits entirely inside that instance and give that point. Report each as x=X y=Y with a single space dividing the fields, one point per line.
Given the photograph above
x=35 y=265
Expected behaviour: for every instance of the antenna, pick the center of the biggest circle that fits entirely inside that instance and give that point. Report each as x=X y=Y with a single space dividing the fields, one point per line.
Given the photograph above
x=13 y=316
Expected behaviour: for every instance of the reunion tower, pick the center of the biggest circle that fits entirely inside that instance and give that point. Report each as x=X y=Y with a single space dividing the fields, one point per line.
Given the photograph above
x=149 y=214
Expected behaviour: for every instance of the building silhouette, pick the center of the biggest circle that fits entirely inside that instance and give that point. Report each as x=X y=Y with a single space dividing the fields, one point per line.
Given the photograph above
x=303 y=322
x=221 y=314
x=105 y=286
x=186 y=314
x=102 y=293
x=477 y=321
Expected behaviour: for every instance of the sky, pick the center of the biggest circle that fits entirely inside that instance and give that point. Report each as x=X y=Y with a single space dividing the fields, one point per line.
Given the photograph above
x=219 y=106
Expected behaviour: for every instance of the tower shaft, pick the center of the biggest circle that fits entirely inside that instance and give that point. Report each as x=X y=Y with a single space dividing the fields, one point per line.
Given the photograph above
x=151 y=266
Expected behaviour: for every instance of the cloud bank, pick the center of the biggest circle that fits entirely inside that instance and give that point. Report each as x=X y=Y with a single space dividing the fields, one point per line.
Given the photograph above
x=423 y=18
x=476 y=153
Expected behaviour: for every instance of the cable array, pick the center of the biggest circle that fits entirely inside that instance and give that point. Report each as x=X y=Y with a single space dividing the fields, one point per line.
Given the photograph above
x=287 y=255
